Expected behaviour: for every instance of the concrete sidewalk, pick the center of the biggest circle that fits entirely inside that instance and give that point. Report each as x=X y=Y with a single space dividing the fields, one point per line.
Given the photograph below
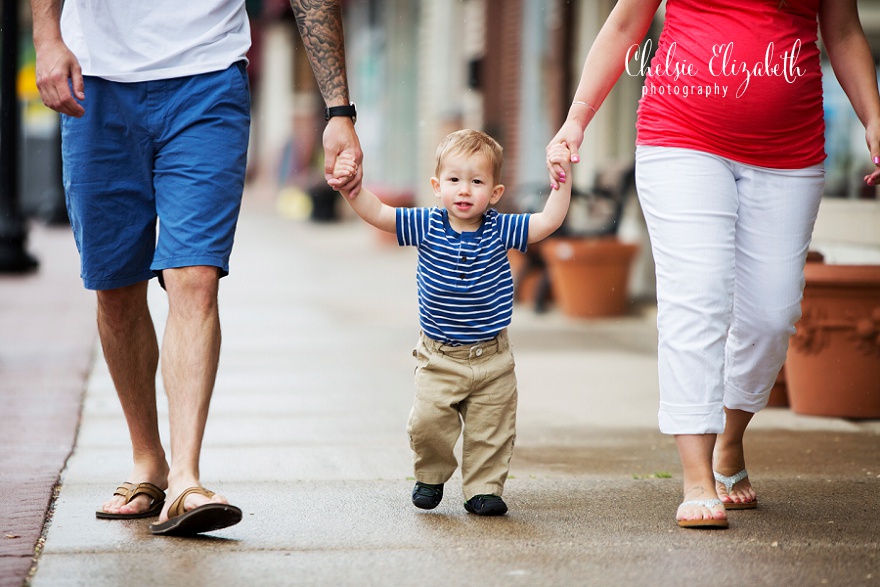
x=307 y=436
x=47 y=336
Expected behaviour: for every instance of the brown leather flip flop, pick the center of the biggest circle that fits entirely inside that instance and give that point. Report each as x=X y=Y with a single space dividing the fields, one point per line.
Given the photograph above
x=205 y=518
x=129 y=491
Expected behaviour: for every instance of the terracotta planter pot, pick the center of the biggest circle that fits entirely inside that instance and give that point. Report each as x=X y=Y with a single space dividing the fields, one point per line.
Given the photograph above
x=779 y=392
x=833 y=362
x=590 y=276
x=529 y=277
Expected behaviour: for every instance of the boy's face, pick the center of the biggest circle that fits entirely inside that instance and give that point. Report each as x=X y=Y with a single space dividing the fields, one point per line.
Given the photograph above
x=466 y=189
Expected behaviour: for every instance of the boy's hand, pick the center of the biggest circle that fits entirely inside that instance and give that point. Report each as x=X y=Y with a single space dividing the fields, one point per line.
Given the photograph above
x=570 y=135
x=344 y=170
x=559 y=158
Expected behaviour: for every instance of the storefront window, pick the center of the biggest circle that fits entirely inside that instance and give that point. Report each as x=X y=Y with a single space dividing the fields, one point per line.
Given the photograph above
x=848 y=161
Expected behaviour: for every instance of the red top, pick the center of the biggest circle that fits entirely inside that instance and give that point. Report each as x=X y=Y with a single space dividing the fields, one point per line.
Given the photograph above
x=736 y=78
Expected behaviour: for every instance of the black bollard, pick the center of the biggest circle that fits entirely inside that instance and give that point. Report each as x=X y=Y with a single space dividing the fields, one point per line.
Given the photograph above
x=13 y=230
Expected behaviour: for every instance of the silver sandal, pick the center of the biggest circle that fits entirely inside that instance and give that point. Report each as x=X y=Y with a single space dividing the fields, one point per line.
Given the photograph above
x=703 y=522
x=728 y=483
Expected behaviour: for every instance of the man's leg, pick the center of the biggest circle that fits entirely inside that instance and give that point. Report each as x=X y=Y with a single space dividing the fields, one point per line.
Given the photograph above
x=131 y=351
x=198 y=198
x=190 y=354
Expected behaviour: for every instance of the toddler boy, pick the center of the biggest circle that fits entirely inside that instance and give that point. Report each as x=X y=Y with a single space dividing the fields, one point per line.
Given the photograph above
x=465 y=368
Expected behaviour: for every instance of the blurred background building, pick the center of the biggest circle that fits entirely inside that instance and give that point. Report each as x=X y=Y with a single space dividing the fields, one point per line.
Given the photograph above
x=421 y=68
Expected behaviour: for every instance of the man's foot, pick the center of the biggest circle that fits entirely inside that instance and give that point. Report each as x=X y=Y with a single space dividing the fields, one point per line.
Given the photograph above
x=143 y=503
x=191 y=501
x=427 y=496
x=196 y=510
x=486 y=505
x=128 y=492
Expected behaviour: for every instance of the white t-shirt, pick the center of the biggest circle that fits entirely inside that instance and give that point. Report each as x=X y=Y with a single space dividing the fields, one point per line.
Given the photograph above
x=136 y=40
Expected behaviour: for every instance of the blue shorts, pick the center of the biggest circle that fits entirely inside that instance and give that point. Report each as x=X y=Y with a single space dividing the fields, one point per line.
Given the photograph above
x=172 y=150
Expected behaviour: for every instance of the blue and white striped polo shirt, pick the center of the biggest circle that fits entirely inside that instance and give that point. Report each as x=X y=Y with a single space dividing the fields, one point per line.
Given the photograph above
x=464 y=281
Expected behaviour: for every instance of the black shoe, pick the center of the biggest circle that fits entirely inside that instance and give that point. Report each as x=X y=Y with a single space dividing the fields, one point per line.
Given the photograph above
x=486 y=505
x=427 y=496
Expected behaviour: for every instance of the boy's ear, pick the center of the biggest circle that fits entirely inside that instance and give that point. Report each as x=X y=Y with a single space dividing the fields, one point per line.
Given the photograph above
x=497 y=192
x=435 y=183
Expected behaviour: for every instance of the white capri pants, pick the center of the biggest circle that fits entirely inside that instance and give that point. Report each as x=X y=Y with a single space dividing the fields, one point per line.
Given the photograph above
x=729 y=242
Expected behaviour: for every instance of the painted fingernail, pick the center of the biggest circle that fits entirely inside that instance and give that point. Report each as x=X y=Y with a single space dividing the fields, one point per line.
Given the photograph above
x=575 y=159
x=562 y=175
x=876 y=160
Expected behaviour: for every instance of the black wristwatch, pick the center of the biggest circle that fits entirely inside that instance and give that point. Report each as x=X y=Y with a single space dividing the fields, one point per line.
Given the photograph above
x=341 y=111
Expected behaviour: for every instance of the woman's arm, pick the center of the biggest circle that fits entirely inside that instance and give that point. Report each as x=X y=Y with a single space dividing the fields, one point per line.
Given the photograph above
x=853 y=65
x=626 y=26
x=544 y=223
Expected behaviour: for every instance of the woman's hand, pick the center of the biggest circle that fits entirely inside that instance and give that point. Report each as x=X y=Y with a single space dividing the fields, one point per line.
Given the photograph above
x=571 y=134
x=872 y=137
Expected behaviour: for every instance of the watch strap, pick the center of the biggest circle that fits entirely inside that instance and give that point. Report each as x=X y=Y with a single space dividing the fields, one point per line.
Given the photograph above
x=348 y=111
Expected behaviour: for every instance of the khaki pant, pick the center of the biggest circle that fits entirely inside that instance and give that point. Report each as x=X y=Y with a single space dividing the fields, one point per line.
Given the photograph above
x=474 y=385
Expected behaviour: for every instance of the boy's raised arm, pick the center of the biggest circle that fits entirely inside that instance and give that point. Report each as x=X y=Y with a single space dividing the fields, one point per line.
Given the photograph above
x=544 y=223
x=365 y=203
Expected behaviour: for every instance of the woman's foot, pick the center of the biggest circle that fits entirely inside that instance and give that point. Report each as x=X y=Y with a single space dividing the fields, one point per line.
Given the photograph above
x=701 y=509
x=736 y=491
x=729 y=464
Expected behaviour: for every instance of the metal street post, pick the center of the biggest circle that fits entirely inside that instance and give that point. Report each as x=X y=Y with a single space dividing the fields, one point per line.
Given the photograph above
x=13 y=230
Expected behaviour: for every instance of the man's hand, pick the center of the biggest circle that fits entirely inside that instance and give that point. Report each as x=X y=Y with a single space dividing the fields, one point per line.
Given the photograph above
x=344 y=170
x=341 y=139
x=57 y=69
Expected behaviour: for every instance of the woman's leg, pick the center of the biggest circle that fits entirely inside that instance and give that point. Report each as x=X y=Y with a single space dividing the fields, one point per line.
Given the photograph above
x=777 y=211
x=729 y=458
x=695 y=452
x=690 y=204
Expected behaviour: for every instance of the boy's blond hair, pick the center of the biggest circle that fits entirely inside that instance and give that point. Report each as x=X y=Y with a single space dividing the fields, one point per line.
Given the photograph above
x=471 y=142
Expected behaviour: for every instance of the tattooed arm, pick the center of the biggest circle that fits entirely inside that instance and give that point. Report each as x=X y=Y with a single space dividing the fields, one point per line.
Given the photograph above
x=320 y=26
